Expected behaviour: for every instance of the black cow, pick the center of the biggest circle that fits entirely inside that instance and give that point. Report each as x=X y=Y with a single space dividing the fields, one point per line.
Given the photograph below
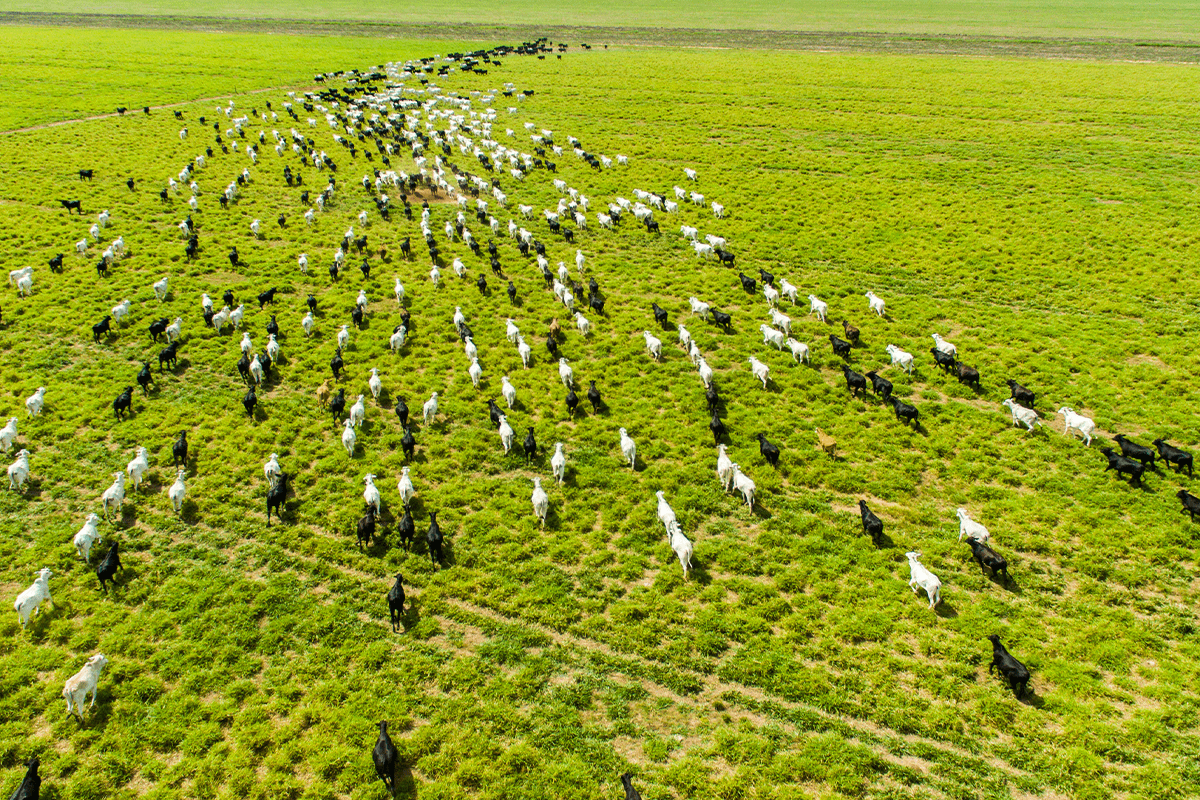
x=1174 y=456
x=905 y=412
x=854 y=381
x=395 y=598
x=384 y=755
x=881 y=387
x=769 y=451
x=168 y=355
x=968 y=376
x=1136 y=451
x=366 y=527
x=145 y=378
x=989 y=559
x=1009 y=668
x=1122 y=464
x=944 y=360
x=840 y=346
x=101 y=328
x=872 y=525
x=434 y=537
x=717 y=427
x=276 y=496
x=124 y=402
x=179 y=450
x=108 y=566
x=1191 y=503
x=1021 y=394
x=407 y=529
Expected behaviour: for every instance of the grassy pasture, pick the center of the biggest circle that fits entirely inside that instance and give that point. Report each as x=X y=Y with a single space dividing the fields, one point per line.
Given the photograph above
x=1176 y=21
x=164 y=67
x=1033 y=212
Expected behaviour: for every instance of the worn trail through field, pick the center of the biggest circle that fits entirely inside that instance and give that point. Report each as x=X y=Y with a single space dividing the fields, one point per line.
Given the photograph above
x=131 y=111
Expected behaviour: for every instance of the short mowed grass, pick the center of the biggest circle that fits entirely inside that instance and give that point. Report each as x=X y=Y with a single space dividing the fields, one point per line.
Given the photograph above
x=1035 y=213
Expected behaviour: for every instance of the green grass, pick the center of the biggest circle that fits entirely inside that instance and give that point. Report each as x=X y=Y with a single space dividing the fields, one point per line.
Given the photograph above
x=1099 y=18
x=161 y=67
x=1033 y=212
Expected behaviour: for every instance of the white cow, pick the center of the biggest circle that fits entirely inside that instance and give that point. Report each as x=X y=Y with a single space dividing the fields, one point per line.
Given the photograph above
x=772 y=336
x=799 y=350
x=943 y=346
x=1022 y=415
x=18 y=471
x=724 y=468
x=78 y=685
x=88 y=536
x=900 y=358
x=760 y=370
x=558 y=463
x=31 y=599
x=923 y=578
x=653 y=344
x=114 y=495
x=682 y=547
x=1077 y=422
x=970 y=528
x=742 y=483
x=541 y=501
x=818 y=307
x=628 y=449
x=875 y=302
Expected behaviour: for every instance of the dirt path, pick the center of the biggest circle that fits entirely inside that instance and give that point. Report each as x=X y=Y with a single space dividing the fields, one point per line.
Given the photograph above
x=132 y=112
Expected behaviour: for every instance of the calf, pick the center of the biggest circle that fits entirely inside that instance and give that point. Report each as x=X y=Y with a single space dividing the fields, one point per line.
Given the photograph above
x=1135 y=451
x=989 y=558
x=880 y=387
x=854 y=381
x=1174 y=456
x=1121 y=464
x=1008 y=667
x=872 y=525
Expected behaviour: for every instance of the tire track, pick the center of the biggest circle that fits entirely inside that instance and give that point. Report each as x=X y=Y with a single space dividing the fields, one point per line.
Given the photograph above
x=714 y=689
x=131 y=112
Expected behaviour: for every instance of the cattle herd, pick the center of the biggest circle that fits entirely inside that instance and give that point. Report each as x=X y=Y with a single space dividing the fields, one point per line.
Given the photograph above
x=399 y=112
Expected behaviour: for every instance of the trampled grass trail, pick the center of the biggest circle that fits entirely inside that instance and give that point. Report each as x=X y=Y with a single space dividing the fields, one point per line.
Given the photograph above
x=1023 y=210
